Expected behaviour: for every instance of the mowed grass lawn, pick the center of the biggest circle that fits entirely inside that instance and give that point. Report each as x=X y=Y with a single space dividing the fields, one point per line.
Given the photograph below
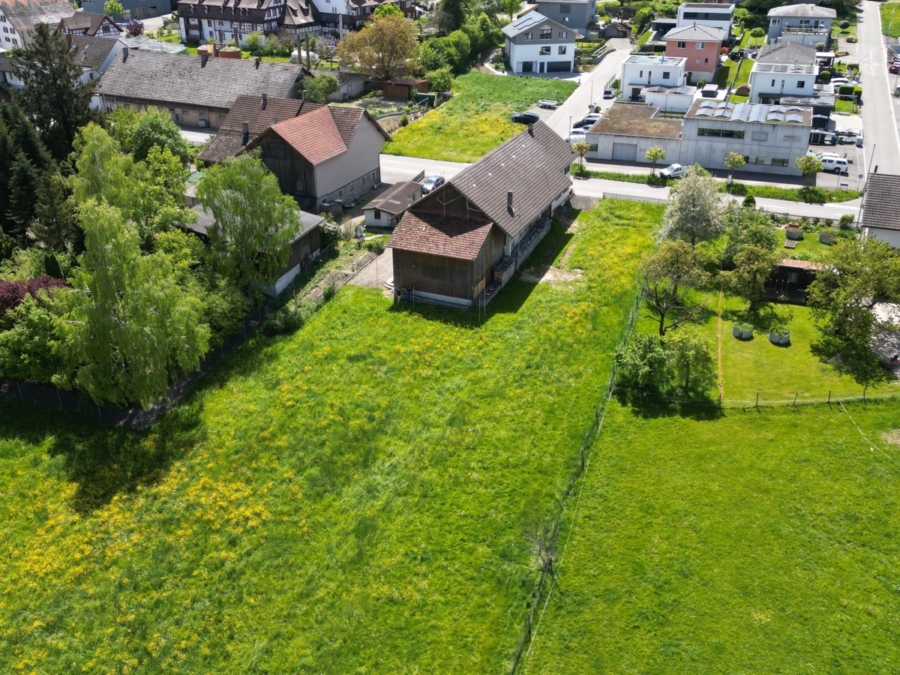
x=351 y=498
x=477 y=119
x=890 y=18
x=753 y=543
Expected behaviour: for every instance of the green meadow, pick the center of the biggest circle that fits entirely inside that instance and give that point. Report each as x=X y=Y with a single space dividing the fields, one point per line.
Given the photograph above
x=350 y=498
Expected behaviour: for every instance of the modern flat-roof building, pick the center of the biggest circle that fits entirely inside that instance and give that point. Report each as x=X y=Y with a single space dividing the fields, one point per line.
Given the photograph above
x=706 y=14
x=782 y=70
x=806 y=24
x=646 y=70
x=770 y=138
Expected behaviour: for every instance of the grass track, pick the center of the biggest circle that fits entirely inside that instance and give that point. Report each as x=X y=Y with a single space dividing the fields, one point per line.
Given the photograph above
x=753 y=543
x=347 y=499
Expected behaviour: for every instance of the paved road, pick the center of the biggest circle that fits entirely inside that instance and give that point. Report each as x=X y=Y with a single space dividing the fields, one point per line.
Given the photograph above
x=881 y=111
x=396 y=169
x=591 y=89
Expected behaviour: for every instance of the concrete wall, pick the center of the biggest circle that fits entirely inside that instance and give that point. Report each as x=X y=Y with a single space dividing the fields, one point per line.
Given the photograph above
x=666 y=102
x=578 y=17
x=353 y=173
x=530 y=52
x=762 y=144
x=604 y=147
x=700 y=62
x=891 y=237
x=780 y=84
x=716 y=17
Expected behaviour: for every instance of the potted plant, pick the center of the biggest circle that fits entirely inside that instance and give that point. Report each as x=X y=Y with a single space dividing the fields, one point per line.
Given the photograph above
x=742 y=331
x=827 y=236
x=779 y=336
x=793 y=231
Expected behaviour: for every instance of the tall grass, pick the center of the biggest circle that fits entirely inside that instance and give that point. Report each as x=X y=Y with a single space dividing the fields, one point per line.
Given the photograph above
x=347 y=499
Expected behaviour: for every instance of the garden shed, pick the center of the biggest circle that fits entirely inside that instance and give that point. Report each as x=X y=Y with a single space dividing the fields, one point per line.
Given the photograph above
x=405 y=88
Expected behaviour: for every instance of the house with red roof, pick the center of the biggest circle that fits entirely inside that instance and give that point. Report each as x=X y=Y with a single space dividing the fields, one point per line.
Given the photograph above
x=327 y=154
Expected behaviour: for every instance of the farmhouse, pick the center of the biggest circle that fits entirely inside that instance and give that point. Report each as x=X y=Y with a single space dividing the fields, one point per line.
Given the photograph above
x=460 y=244
x=19 y=17
x=331 y=153
x=247 y=119
x=90 y=24
x=880 y=216
x=536 y=44
x=197 y=91
x=223 y=21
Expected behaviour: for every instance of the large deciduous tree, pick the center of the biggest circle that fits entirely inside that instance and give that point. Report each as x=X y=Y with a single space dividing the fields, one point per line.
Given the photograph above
x=154 y=128
x=752 y=266
x=809 y=166
x=381 y=49
x=129 y=327
x=667 y=277
x=694 y=213
x=855 y=276
x=254 y=222
x=53 y=97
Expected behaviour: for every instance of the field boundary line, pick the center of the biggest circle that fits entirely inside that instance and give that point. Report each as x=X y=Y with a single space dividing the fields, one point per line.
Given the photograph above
x=872 y=446
x=719 y=333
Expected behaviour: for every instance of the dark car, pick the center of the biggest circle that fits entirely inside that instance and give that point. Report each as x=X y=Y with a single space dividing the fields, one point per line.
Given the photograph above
x=432 y=183
x=525 y=118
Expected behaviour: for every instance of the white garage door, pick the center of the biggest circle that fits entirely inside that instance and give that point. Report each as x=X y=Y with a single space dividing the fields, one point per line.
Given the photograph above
x=625 y=152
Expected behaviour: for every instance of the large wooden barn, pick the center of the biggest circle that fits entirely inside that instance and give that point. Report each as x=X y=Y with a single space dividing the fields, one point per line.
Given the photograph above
x=460 y=244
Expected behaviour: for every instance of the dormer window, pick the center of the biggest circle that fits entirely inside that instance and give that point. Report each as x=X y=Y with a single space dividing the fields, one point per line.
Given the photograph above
x=546 y=33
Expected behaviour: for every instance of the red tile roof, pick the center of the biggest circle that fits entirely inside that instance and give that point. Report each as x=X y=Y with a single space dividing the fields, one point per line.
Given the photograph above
x=315 y=136
x=433 y=234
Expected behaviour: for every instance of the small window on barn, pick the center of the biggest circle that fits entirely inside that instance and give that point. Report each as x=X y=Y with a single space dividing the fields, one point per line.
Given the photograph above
x=377 y=214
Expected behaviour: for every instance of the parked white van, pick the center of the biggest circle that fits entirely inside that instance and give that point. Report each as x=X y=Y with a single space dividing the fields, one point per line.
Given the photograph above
x=836 y=164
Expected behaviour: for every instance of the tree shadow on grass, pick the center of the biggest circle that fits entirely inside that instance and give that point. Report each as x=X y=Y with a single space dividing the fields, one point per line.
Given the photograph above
x=103 y=460
x=651 y=405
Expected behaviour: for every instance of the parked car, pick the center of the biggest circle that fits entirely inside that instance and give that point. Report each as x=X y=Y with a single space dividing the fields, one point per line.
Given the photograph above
x=577 y=136
x=609 y=93
x=894 y=69
x=525 y=118
x=847 y=133
x=674 y=171
x=586 y=121
x=825 y=155
x=837 y=164
x=431 y=184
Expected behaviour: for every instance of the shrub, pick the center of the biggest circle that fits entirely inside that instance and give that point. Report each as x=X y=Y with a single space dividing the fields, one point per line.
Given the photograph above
x=844 y=24
x=846 y=221
x=286 y=320
x=825 y=76
x=852 y=39
x=12 y=293
x=404 y=120
x=820 y=46
x=749 y=202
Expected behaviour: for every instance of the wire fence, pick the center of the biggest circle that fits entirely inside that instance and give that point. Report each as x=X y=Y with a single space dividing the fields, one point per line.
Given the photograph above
x=635 y=198
x=544 y=585
x=137 y=418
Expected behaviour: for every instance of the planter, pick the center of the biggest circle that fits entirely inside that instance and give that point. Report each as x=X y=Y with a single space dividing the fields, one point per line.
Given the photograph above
x=826 y=237
x=795 y=233
x=742 y=331
x=780 y=338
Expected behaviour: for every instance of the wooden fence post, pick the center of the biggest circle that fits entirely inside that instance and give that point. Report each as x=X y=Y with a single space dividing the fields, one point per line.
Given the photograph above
x=794 y=404
x=757 y=401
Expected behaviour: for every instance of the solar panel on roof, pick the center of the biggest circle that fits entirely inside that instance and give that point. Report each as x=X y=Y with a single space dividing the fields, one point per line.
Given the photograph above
x=776 y=117
x=794 y=108
x=795 y=118
x=721 y=113
x=704 y=112
x=707 y=104
x=777 y=108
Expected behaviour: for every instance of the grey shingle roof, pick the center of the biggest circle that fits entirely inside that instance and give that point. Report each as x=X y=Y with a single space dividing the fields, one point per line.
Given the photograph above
x=696 y=33
x=174 y=79
x=26 y=14
x=532 y=165
x=802 y=11
x=395 y=200
x=528 y=22
x=91 y=52
x=880 y=203
x=786 y=52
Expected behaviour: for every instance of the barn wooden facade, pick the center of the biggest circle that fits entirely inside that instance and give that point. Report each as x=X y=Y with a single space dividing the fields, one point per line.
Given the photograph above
x=460 y=244
x=330 y=153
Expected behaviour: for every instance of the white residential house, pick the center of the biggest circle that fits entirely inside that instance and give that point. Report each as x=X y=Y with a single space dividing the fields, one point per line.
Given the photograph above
x=18 y=19
x=643 y=70
x=783 y=69
x=706 y=14
x=536 y=44
x=806 y=24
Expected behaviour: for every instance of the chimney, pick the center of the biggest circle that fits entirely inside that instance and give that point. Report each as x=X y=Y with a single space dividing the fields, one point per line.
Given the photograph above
x=124 y=54
x=204 y=57
x=258 y=59
x=245 y=133
x=265 y=101
x=509 y=203
x=531 y=129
